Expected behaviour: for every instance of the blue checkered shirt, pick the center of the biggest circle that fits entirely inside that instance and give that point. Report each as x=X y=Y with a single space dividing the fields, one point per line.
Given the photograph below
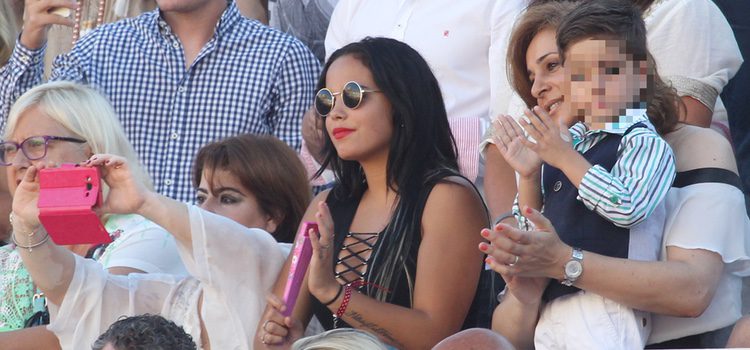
x=247 y=79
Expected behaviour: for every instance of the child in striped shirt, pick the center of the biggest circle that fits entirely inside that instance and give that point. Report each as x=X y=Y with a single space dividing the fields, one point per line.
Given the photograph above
x=598 y=167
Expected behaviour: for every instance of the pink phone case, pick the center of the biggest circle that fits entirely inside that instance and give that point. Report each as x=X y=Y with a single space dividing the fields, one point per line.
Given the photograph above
x=300 y=260
x=66 y=197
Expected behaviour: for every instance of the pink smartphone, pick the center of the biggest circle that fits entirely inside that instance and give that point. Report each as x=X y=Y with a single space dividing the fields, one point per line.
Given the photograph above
x=300 y=260
x=67 y=196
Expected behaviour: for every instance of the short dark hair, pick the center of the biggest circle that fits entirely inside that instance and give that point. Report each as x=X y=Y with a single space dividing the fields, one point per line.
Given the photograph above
x=266 y=167
x=622 y=20
x=145 y=332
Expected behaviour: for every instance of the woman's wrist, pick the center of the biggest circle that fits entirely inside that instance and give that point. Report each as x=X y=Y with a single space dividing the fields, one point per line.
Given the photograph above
x=562 y=254
x=329 y=294
x=20 y=225
x=150 y=205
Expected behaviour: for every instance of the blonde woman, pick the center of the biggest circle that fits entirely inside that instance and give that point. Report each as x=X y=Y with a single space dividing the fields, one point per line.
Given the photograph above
x=64 y=122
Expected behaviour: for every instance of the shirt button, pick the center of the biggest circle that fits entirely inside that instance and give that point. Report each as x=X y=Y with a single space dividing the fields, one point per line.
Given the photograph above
x=181 y=89
x=174 y=136
x=615 y=200
x=168 y=182
x=558 y=186
x=176 y=45
x=25 y=59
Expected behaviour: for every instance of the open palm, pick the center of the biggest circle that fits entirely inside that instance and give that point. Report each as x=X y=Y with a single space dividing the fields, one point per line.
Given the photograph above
x=512 y=144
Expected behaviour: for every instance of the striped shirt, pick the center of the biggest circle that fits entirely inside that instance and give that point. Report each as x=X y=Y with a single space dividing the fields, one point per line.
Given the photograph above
x=639 y=180
x=248 y=78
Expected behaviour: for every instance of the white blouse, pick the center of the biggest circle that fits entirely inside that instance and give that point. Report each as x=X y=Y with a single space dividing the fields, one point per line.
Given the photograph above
x=233 y=267
x=692 y=39
x=708 y=216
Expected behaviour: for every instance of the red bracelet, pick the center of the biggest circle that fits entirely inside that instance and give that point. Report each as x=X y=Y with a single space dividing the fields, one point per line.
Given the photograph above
x=344 y=303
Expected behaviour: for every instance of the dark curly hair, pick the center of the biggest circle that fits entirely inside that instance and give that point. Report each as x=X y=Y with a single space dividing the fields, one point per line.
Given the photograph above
x=145 y=332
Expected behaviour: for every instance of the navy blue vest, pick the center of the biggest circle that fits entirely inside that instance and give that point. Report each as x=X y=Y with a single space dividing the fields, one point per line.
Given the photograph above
x=576 y=225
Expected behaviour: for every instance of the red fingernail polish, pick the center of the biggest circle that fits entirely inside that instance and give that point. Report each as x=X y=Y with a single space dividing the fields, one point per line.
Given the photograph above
x=485 y=233
x=483 y=246
x=528 y=210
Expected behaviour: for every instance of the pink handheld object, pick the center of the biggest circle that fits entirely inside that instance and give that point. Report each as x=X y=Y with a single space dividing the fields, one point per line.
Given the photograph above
x=300 y=260
x=67 y=196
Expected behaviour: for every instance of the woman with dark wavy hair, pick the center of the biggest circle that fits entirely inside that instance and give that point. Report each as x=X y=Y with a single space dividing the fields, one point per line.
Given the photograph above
x=399 y=220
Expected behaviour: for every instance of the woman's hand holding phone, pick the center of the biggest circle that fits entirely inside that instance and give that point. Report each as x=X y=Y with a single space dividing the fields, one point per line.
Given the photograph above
x=126 y=194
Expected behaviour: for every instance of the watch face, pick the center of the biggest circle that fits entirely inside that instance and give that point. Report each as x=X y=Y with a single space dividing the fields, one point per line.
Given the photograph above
x=573 y=269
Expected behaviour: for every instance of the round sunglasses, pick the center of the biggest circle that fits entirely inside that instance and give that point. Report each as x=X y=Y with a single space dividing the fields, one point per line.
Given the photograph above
x=352 y=95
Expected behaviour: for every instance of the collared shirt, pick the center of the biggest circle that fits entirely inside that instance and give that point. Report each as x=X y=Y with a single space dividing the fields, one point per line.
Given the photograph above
x=248 y=78
x=639 y=180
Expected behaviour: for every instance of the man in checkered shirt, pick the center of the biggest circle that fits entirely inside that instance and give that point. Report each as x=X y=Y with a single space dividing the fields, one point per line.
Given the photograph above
x=181 y=76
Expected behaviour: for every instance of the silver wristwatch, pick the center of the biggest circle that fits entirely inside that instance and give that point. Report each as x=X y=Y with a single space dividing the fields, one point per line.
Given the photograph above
x=573 y=268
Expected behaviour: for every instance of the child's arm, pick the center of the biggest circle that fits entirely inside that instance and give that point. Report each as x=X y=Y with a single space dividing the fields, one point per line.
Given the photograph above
x=530 y=191
x=638 y=182
x=515 y=148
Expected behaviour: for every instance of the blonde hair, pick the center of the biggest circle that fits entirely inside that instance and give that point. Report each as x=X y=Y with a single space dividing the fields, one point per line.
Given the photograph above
x=340 y=339
x=86 y=113
x=9 y=29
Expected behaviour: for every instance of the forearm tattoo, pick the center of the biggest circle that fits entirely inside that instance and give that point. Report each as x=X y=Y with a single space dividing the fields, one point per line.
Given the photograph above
x=375 y=328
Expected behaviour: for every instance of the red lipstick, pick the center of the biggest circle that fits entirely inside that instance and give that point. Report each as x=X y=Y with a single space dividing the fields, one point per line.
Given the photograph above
x=340 y=133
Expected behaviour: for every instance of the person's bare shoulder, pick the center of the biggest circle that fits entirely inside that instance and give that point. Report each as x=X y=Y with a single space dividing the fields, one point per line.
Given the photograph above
x=454 y=197
x=696 y=147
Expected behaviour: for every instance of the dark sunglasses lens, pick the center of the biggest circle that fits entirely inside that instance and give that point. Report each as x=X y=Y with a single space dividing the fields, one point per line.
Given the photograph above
x=324 y=102
x=352 y=95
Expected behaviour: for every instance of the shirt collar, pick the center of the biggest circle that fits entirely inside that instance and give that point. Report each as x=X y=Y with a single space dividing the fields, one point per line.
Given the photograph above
x=229 y=17
x=581 y=130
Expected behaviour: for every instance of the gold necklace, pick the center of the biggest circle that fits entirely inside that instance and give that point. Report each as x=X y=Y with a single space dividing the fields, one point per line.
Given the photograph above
x=81 y=28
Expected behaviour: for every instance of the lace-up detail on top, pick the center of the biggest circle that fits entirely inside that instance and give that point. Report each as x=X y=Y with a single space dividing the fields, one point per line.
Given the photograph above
x=351 y=264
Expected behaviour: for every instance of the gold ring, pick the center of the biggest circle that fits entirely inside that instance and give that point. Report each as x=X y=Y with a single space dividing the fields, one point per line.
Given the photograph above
x=515 y=261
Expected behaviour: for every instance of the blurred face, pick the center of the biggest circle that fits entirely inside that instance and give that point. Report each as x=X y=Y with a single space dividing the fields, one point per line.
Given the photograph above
x=604 y=81
x=546 y=75
x=33 y=122
x=362 y=133
x=221 y=192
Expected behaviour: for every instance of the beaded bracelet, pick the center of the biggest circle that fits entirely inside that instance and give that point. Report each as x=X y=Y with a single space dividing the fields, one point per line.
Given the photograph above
x=340 y=312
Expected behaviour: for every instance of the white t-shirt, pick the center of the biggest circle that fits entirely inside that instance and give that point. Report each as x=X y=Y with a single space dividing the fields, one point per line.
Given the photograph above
x=464 y=42
x=692 y=39
x=141 y=244
x=708 y=216
x=234 y=267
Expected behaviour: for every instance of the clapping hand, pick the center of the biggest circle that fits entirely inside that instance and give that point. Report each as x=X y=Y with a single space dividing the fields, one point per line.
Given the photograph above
x=553 y=141
x=513 y=145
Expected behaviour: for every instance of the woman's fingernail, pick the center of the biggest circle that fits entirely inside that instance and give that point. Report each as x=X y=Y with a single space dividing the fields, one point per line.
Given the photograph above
x=528 y=210
x=483 y=246
x=485 y=233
